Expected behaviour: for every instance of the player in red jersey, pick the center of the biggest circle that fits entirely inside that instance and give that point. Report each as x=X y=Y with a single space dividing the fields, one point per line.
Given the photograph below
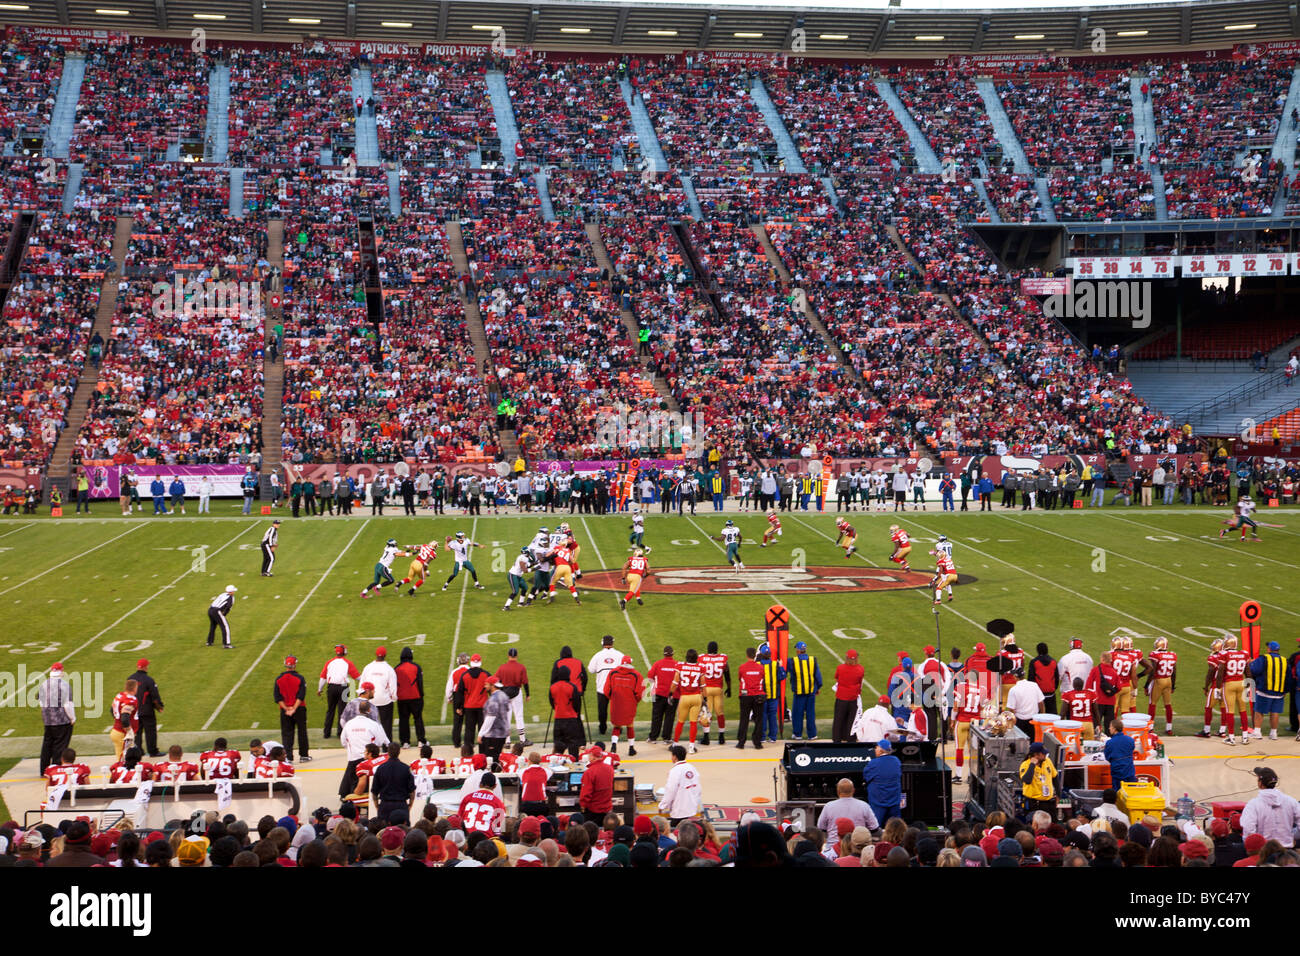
x=509 y=760
x=482 y=810
x=689 y=684
x=373 y=760
x=130 y=769
x=773 y=528
x=1079 y=703
x=563 y=573
x=902 y=546
x=1233 y=664
x=1213 y=690
x=272 y=765
x=624 y=685
x=716 y=673
x=1013 y=670
x=423 y=555
x=969 y=698
x=848 y=539
x=175 y=767
x=571 y=543
x=945 y=575
x=635 y=570
x=1124 y=660
x=66 y=773
x=219 y=763
x=1161 y=669
x=126 y=718
x=428 y=764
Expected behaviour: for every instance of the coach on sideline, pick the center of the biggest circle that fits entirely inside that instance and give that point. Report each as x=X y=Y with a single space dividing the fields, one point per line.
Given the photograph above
x=357 y=733
x=151 y=705
x=57 y=713
x=291 y=697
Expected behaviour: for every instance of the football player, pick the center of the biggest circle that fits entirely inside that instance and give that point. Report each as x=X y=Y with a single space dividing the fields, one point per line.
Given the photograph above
x=625 y=686
x=220 y=763
x=969 y=699
x=460 y=549
x=944 y=546
x=428 y=764
x=847 y=539
x=1233 y=664
x=1079 y=704
x=716 y=672
x=272 y=765
x=563 y=559
x=1162 y=673
x=541 y=547
x=130 y=769
x=945 y=575
x=175 y=767
x=425 y=554
x=731 y=538
x=518 y=577
x=636 y=539
x=1241 y=519
x=1213 y=689
x=773 y=528
x=635 y=570
x=902 y=546
x=384 y=569
x=569 y=541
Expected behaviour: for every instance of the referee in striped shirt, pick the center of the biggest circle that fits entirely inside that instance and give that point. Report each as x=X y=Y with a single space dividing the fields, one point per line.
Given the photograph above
x=217 y=611
x=270 y=541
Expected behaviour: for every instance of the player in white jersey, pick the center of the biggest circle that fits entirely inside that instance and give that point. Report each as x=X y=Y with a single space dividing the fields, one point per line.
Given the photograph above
x=384 y=568
x=731 y=538
x=518 y=578
x=879 y=489
x=460 y=548
x=542 y=563
x=637 y=538
x=943 y=547
x=746 y=491
x=1241 y=519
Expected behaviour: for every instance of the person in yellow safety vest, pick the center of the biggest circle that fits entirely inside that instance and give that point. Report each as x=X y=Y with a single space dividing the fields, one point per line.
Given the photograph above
x=716 y=489
x=806 y=677
x=1038 y=781
x=1270 y=673
x=519 y=465
x=807 y=488
x=773 y=674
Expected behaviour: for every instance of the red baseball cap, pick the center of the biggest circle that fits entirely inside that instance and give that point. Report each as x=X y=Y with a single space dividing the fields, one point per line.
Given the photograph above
x=381 y=652
x=480 y=761
x=366 y=685
x=884 y=701
x=852 y=652
x=980 y=646
x=340 y=649
x=290 y=661
x=643 y=825
x=142 y=663
x=929 y=648
x=475 y=659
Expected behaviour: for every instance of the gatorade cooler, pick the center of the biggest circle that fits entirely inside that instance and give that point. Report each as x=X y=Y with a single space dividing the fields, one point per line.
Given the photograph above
x=1137 y=726
x=1041 y=723
x=1139 y=799
x=1070 y=734
x=1222 y=809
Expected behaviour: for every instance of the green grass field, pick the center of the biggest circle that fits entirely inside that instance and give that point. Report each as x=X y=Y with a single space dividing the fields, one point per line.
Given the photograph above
x=98 y=592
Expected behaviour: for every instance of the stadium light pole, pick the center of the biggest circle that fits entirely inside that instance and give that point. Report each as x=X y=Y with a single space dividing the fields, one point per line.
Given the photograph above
x=943 y=736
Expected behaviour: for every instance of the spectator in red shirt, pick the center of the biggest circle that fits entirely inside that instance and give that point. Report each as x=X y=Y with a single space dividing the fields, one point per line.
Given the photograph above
x=471 y=693
x=752 y=698
x=848 y=693
x=597 y=795
x=565 y=700
x=1104 y=682
x=1044 y=672
x=410 y=697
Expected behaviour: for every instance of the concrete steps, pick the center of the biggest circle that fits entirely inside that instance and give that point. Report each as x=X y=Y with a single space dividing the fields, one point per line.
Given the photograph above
x=1003 y=130
x=544 y=195
x=1043 y=186
x=237 y=192
x=692 y=200
x=73 y=186
x=988 y=203
x=63 y=116
x=366 y=130
x=507 y=130
x=60 y=467
x=785 y=146
x=646 y=137
x=1145 y=132
x=926 y=160
x=603 y=260
x=1284 y=142
x=216 y=131
x=273 y=372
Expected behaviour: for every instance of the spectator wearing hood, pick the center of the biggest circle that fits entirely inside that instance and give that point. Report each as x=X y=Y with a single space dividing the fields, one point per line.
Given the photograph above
x=901 y=689
x=1271 y=813
x=410 y=698
x=1045 y=672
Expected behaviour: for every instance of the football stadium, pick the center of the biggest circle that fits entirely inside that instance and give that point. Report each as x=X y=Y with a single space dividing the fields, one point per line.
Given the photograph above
x=650 y=435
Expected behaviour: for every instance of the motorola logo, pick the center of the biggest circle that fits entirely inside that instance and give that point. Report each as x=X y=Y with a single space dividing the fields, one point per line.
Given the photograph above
x=802 y=760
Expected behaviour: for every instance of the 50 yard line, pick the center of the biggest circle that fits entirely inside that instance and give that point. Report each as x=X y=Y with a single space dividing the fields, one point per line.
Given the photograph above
x=271 y=643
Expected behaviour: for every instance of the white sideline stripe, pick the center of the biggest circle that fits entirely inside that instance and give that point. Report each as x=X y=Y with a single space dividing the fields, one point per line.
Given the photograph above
x=301 y=604
x=81 y=647
x=1077 y=594
x=626 y=617
x=16 y=530
x=1154 y=567
x=815 y=636
x=460 y=616
x=924 y=592
x=73 y=558
x=1210 y=544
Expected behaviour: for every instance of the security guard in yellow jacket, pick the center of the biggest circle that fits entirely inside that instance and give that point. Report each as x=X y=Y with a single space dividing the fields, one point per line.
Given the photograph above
x=806 y=681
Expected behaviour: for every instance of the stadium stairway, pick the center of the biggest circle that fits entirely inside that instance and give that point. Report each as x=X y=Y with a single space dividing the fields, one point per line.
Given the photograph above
x=1144 y=132
x=75 y=171
x=629 y=320
x=273 y=372
x=1043 y=186
x=216 y=129
x=1284 y=142
x=367 y=130
x=988 y=203
x=647 y=140
x=1003 y=130
x=785 y=147
x=926 y=160
x=237 y=192
x=544 y=195
x=63 y=117
x=394 y=193
x=507 y=131
x=692 y=200
x=474 y=325
x=59 y=471
x=804 y=302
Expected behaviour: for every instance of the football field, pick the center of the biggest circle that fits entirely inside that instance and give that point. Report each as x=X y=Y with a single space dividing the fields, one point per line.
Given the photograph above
x=99 y=592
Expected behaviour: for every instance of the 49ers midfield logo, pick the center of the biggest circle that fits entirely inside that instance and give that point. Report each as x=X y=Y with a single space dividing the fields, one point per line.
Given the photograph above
x=765 y=580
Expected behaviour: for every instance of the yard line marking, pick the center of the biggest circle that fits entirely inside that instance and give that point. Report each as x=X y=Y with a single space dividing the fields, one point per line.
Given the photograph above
x=39 y=675
x=9 y=731
x=21 y=527
x=1081 y=595
x=285 y=626
x=73 y=558
x=254 y=725
x=626 y=617
x=1211 y=543
x=794 y=617
x=460 y=616
x=1124 y=557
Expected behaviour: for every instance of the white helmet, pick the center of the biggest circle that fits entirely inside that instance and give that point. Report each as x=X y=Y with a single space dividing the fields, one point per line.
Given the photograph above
x=639 y=553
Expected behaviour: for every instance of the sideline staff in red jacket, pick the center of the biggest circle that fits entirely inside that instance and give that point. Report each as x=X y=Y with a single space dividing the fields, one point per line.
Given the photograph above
x=565 y=697
x=471 y=694
x=848 y=693
x=291 y=696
